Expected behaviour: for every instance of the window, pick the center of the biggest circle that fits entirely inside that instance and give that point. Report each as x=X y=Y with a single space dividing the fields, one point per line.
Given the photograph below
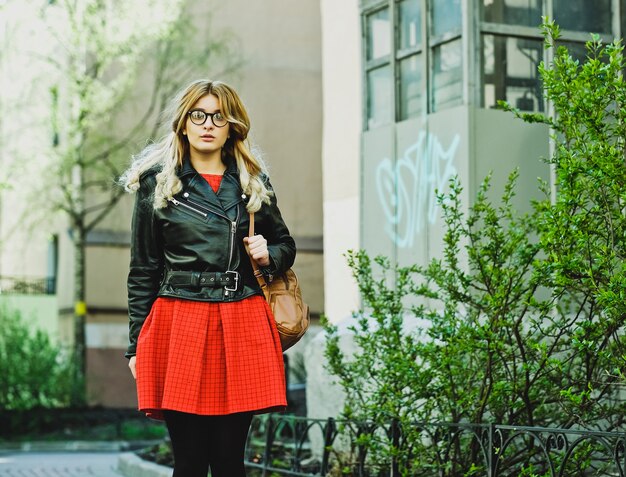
x=446 y=55
x=446 y=17
x=410 y=24
x=623 y=19
x=411 y=86
x=512 y=12
x=584 y=15
x=447 y=75
x=512 y=43
x=577 y=50
x=379 y=74
x=378 y=35
x=53 y=261
x=394 y=71
x=510 y=72
x=409 y=59
x=413 y=61
x=379 y=98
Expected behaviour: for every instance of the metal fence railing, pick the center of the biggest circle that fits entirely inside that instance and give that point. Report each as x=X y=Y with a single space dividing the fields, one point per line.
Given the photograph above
x=27 y=285
x=296 y=446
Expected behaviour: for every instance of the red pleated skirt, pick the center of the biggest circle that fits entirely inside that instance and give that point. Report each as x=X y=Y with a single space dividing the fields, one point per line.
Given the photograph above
x=210 y=358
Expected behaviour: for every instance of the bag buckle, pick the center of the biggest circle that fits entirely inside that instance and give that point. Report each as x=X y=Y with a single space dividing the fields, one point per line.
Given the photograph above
x=235 y=279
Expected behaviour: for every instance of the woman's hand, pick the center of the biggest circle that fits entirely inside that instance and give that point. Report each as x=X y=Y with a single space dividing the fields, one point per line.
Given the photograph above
x=257 y=246
x=131 y=365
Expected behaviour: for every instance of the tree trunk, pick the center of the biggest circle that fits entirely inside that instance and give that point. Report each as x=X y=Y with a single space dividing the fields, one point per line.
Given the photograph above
x=80 y=309
x=80 y=305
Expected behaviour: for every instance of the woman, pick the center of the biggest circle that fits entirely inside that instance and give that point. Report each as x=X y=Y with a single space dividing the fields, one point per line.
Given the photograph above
x=204 y=349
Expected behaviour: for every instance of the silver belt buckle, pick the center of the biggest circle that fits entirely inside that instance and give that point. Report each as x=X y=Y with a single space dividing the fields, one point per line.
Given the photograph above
x=236 y=280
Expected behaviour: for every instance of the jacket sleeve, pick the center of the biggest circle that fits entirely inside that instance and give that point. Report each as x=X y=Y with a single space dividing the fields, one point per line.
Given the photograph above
x=280 y=244
x=146 y=261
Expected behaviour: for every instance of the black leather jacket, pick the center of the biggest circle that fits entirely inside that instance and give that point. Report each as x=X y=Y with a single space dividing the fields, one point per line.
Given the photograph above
x=185 y=249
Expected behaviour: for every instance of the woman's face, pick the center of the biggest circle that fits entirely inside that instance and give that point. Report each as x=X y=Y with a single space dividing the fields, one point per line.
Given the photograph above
x=206 y=139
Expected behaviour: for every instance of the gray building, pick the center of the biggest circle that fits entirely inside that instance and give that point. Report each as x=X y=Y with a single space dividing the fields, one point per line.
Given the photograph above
x=429 y=75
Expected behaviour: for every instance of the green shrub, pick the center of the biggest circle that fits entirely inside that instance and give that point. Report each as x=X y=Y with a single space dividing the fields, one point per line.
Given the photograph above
x=523 y=318
x=35 y=371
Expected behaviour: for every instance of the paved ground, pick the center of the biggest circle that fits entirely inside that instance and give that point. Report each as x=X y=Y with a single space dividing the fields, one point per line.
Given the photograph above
x=59 y=464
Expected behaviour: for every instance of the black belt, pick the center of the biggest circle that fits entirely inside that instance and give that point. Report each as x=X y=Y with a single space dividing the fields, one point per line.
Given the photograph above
x=227 y=280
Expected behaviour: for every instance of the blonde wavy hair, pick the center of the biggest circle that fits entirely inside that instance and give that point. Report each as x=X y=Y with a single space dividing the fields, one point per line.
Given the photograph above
x=167 y=154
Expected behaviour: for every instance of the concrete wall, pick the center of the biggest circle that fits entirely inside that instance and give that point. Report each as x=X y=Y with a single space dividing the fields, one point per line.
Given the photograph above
x=109 y=382
x=404 y=164
x=407 y=163
x=38 y=311
x=341 y=56
x=280 y=84
x=501 y=143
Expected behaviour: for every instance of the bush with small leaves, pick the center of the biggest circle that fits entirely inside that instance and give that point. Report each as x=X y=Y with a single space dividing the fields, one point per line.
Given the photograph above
x=36 y=372
x=523 y=317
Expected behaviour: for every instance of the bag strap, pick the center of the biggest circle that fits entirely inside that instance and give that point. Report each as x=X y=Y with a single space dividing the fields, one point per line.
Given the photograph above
x=257 y=273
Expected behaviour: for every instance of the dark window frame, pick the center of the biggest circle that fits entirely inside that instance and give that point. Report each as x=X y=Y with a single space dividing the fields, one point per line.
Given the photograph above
x=508 y=30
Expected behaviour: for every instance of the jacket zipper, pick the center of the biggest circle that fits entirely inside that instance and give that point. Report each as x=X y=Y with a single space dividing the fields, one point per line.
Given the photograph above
x=187 y=206
x=233 y=226
x=200 y=206
x=233 y=232
x=186 y=195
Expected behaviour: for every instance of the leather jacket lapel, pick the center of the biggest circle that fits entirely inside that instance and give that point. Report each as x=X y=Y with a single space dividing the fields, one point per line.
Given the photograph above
x=229 y=193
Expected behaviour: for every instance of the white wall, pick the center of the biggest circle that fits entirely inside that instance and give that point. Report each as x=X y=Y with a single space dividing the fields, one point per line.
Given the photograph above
x=280 y=82
x=341 y=86
x=39 y=312
x=25 y=138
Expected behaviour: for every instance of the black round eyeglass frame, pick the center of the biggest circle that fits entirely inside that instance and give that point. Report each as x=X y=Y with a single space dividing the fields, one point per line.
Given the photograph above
x=220 y=123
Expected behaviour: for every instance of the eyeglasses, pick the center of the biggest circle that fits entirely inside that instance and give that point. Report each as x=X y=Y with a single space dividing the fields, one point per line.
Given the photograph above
x=198 y=117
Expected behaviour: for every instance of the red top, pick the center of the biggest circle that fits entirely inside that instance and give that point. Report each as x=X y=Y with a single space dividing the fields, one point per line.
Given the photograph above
x=214 y=180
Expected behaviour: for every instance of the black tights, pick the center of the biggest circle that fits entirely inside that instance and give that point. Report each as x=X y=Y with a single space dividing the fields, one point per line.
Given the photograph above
x=202 y=441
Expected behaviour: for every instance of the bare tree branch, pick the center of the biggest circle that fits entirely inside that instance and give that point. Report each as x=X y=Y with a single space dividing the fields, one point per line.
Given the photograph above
x=106 y=208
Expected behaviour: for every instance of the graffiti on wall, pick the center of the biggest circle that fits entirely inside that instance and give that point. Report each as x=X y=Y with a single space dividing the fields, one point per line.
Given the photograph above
x=407 y=188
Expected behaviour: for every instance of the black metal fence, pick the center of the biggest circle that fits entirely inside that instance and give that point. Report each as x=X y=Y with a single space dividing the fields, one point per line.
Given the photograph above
x=295 y=446
x=76 y=423
x=27 y=285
